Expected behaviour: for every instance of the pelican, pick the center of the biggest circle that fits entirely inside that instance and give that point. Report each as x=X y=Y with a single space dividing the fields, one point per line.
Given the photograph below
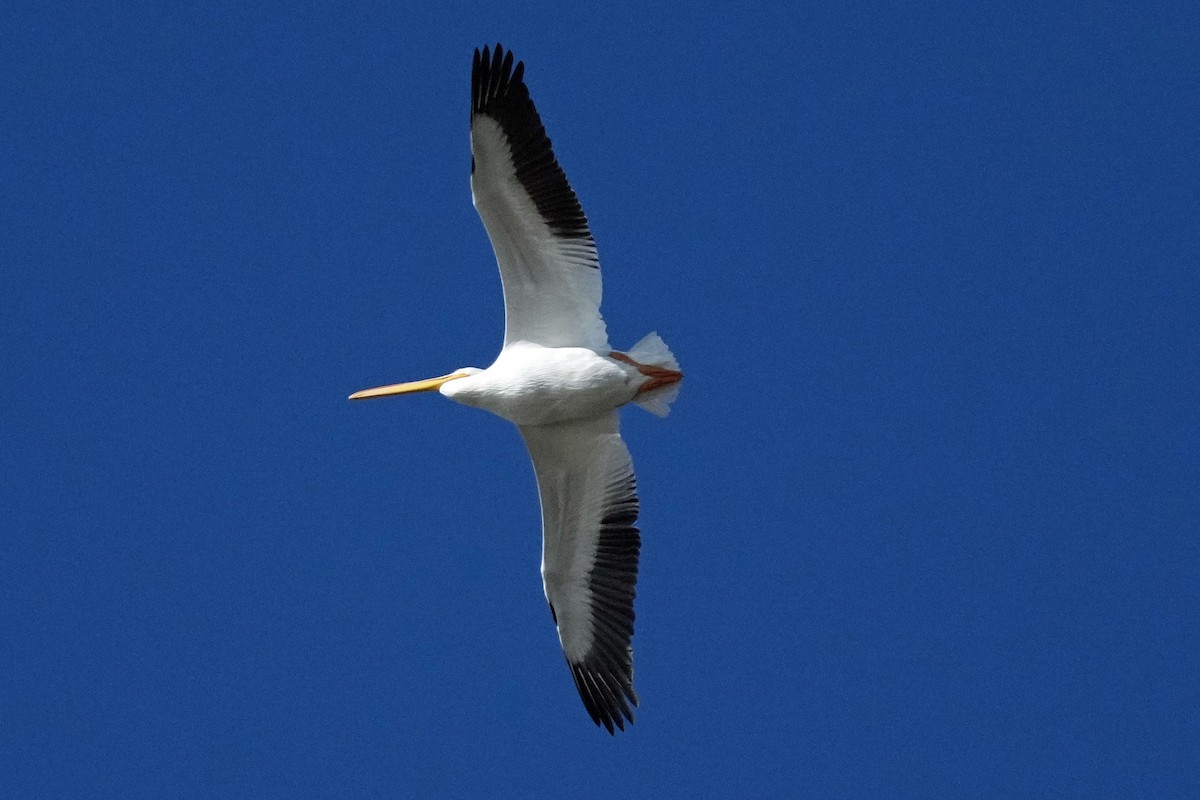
x=558 y=380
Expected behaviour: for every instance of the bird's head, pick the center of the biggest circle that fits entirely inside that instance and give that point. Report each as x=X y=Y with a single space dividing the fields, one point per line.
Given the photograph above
x=427 y=385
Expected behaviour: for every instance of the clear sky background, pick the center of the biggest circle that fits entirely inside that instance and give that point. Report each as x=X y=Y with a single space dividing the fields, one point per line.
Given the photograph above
x=923 y=522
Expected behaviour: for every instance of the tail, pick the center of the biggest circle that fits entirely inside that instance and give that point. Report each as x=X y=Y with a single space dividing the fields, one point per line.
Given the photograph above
x=653 y=351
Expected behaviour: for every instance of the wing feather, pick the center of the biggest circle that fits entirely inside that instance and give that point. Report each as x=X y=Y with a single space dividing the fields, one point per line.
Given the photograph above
x=590 y=548
x=544 y=248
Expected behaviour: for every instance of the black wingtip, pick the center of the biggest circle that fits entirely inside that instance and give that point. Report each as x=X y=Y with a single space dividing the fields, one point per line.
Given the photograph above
x=498 y=91
x=606 y=697
x=495 y=79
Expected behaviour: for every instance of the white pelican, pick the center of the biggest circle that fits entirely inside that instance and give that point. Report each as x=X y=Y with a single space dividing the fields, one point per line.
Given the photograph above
x=561 y=383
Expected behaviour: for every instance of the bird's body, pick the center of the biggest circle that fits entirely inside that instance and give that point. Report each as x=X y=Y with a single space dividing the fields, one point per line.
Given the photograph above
x=529 y=384
x=558 y=380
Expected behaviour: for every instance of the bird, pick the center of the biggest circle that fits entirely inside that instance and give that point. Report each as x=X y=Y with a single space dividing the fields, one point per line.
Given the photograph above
x=560 y=382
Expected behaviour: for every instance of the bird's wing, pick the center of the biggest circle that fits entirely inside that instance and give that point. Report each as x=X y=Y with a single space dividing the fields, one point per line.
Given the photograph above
x=547 y=257
x=590 y=549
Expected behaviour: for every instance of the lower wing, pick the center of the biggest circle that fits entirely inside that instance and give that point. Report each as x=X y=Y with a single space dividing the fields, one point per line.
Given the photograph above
x=590 y=548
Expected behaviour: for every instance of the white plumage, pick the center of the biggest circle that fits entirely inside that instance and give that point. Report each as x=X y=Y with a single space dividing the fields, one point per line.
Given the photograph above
x=561 y=383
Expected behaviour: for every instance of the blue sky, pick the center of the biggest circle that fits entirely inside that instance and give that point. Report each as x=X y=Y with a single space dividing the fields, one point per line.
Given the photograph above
x=922 y=523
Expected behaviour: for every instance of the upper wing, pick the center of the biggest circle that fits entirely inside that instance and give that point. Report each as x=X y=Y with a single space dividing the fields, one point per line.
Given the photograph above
x=547 y=257
x=590 y=552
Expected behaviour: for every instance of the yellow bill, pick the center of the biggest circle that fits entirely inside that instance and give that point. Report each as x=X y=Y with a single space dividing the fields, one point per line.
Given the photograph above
x=427 y=385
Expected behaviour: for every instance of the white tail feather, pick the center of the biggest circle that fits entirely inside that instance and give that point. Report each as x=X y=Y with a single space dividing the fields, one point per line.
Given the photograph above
x=653 y=351
x=658 y=401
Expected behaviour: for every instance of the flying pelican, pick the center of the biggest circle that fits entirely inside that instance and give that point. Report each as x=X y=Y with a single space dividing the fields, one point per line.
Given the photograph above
x=561 y=383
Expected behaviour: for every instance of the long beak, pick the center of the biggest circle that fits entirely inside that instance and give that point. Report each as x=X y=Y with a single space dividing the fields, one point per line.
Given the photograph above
x=427 y=385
